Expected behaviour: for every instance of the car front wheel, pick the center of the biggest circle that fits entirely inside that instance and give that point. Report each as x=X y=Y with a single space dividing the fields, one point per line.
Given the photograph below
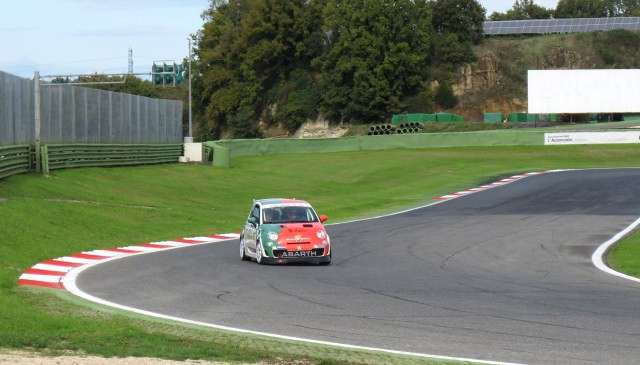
x=259 y=257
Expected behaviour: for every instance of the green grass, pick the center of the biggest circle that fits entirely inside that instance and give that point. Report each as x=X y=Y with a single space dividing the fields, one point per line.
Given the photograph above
x=82 y=209
x=625 y=256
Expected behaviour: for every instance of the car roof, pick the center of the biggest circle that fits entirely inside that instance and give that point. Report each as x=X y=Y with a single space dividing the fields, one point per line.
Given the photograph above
x=280 y=201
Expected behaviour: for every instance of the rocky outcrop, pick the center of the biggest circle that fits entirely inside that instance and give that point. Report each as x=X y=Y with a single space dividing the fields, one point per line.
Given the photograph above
x=477 y=76
x=320 y=128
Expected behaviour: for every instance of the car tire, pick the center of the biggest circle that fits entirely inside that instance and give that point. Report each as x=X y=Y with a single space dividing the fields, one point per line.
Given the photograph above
x=243 y=250
x=259 y=258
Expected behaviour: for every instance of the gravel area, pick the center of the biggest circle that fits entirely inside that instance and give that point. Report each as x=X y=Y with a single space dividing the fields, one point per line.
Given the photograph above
x=35 y=358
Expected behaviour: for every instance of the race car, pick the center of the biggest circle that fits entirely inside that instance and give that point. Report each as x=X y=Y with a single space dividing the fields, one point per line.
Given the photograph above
x=280 y=231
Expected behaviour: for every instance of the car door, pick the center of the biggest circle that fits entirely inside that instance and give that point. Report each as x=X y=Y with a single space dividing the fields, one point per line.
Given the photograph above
x=251 y=229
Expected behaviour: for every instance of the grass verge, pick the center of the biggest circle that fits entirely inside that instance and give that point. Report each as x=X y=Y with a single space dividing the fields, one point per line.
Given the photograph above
x=82 y=209
x=625 y=255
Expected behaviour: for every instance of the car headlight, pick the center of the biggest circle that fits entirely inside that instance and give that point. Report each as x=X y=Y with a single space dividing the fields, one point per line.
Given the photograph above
x=321 y=234
x=272 y=236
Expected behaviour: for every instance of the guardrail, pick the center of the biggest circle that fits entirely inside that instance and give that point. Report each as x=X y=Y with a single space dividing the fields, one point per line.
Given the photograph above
x=15 y=160
x=62 y=156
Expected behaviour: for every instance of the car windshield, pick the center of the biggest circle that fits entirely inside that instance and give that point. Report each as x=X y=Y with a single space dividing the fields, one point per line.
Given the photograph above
x=289 y=214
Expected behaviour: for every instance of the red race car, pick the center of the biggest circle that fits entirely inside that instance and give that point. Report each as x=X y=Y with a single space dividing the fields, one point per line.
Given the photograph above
x=280 y=231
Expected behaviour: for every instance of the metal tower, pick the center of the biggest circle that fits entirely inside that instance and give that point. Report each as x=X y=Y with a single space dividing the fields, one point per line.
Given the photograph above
x=130 y=60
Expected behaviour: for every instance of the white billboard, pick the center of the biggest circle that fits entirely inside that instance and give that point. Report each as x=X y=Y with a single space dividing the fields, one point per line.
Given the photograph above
x=591 y=137
x=584 y=91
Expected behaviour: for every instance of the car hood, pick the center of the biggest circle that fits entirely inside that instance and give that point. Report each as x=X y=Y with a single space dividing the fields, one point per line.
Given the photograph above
x=294 y=233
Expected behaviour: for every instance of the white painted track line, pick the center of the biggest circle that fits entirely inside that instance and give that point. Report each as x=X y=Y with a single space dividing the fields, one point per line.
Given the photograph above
x=598 y=256
x=69 y=282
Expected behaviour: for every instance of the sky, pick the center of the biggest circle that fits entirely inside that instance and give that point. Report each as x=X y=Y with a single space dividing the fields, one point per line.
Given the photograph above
x=87 y=36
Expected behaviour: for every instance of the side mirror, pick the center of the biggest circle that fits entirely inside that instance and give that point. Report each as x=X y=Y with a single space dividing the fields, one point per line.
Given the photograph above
x=323 y=218
x=253 y=220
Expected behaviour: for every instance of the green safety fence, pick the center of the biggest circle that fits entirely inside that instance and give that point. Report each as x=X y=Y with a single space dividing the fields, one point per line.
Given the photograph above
x=493 y=118
x=15 y=160
x=225 y=150
x=531 y=118
x=426 y=118
x=62 y=156
x=449 y=117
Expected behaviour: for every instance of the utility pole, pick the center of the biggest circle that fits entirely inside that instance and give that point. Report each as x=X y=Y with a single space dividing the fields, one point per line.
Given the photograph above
x=36 y=116
x=190 y=112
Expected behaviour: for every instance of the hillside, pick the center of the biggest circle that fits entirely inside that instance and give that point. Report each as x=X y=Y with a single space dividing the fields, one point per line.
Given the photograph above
x=497 y=80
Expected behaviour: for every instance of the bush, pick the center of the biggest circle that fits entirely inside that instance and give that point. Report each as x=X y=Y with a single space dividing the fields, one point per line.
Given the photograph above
x=445 y=97
x=618 y=48
x=297 y=100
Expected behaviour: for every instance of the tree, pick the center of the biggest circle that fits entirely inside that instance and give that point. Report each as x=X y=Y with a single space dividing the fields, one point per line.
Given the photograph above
x=445 y=98
x=462 y=17
x=524 y=9
x=450 y=52
x=622 y=7
x=377 y=53
x=246 y=47
x=581 y=9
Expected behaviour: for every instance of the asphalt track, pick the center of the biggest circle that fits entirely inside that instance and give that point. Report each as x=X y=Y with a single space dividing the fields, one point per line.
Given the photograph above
x=504 y=274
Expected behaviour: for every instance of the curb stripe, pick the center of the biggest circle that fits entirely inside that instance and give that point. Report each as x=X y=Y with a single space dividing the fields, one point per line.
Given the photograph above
x=140 y=249
x=226 y=236
x=50 y=273
x=120 y=250
x=43 y=272
x=82 y=255
x=54 y=268
x=174 y=243
x=102 y=253
x=43 y=284
x=42 y=278
x=188 y=241
x=201 y=239
x=155 y=245
x=76 y=260
x=492 y=185
x=61 y=263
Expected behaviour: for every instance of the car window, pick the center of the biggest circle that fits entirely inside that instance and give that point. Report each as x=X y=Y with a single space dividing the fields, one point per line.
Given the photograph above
x=288 y=214
x=256 y=213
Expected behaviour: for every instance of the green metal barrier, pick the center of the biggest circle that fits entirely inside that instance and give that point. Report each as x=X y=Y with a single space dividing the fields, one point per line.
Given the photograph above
x=15 y=160
x=62 y=156
x=225 y=150
x=493 y=118
x=426 y=118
